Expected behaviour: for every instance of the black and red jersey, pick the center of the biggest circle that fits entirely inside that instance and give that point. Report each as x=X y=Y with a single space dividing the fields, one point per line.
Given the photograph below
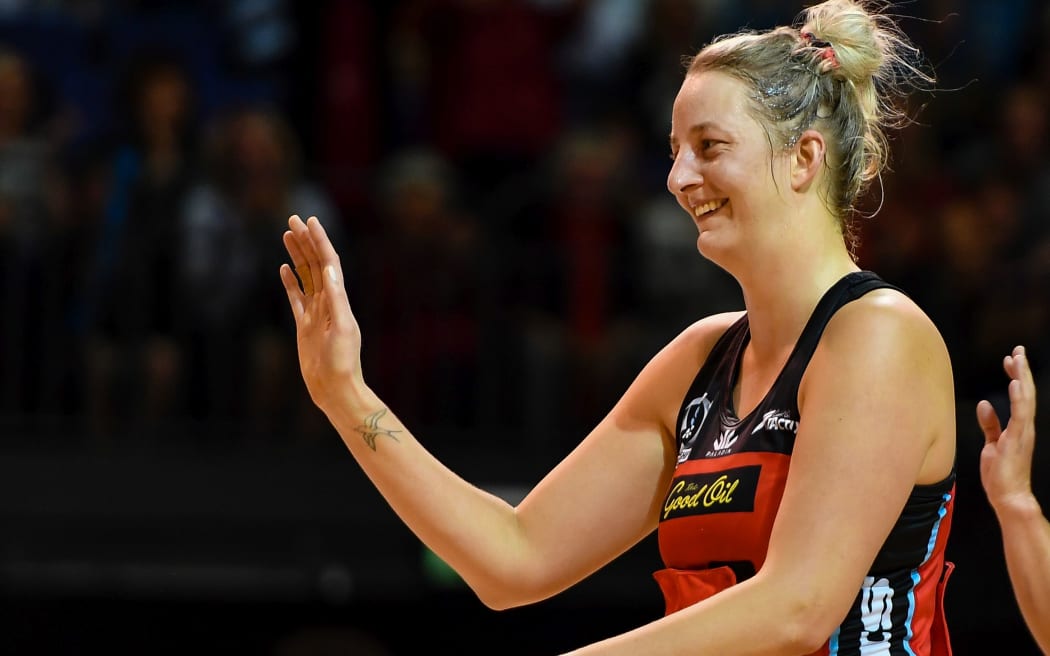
x=718 y=513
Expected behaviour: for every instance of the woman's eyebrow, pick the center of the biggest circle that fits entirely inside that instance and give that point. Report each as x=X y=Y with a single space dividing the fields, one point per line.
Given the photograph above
x=699 y=127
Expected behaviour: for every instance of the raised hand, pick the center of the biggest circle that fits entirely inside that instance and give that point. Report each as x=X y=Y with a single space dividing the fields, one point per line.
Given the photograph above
x=327 y=334
x=1006 y=460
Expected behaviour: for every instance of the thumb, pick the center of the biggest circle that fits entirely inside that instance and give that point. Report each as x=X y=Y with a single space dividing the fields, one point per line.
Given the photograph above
x=989 y=422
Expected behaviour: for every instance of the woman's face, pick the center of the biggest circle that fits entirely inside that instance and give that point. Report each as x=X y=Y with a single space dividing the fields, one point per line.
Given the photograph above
x=722 y=173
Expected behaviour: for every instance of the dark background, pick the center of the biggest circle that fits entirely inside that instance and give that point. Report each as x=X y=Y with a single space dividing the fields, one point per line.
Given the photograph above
x=493 y=175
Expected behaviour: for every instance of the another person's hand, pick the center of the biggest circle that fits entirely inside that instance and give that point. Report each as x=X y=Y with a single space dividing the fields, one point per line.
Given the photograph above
x=1006 y=460
x=327 y=334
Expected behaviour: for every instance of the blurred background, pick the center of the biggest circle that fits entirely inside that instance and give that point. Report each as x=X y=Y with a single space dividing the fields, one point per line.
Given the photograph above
x=492 y=172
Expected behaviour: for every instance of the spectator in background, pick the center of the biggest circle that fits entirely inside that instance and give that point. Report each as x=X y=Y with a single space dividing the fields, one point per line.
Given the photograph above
x=136 y=359
x=421 y=265
x=237 y=329
x=978 y=236
x=346 y=69
x=898 y=239
x=574 y=286
x=990 y=230
x=597 y=60
x=32 y=202
x=484 y=75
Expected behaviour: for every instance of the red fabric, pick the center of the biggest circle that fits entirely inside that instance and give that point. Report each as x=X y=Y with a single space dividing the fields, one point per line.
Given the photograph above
x=744 y=536
x=737 y=536
x=685 y=587
x=940 y=641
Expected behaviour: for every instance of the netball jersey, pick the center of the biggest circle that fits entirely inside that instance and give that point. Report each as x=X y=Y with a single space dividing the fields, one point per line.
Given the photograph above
x=718 y=514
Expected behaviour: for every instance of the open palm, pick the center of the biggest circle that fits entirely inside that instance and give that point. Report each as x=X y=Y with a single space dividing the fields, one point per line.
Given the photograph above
x=327 y=334
x=1006 y=459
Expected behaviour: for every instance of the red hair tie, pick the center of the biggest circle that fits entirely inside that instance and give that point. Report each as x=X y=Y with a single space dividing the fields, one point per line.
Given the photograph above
x=827 y=52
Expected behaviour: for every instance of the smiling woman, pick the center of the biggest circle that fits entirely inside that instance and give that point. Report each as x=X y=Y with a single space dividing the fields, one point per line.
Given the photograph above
x=796 y=459
x=841 y=88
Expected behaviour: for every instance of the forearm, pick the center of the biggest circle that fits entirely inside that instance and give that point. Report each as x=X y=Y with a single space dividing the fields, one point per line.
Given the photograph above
x=752 y=618
x=475 y=532
x=1026 y=541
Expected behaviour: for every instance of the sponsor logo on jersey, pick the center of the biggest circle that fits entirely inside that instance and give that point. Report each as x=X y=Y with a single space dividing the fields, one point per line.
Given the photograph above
x=692 y=421
x=726 y=438
x=777 y=420
x=732 y=490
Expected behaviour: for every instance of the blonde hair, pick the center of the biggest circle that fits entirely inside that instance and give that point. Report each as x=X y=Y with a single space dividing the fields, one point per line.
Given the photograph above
x=844 y=69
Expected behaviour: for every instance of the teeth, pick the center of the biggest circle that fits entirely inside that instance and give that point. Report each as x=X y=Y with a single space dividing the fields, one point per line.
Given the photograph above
x=709 y=206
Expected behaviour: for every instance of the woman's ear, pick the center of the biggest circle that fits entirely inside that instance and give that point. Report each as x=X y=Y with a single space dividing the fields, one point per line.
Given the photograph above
x=807 y=159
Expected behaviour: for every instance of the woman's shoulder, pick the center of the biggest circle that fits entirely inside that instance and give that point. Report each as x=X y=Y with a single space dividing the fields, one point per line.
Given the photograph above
x=884 y=328
x=882 y=351
x=709 y=329
x=889 y=311
x=659 y=389
x=692 y=345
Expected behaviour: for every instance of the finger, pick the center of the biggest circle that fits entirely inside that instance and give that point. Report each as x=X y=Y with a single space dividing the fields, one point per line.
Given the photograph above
x=295 y=296
x=319 y=236
x=1024 y=371
x=1017 y=366
x=302 y=268
x=291 y=244
x=1022 y=393
x=323 y=249
x=338 y=303
x=306 y=245
x=989 y=422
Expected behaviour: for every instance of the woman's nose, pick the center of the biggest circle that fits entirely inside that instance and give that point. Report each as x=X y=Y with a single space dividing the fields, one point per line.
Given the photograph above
x=683 y=175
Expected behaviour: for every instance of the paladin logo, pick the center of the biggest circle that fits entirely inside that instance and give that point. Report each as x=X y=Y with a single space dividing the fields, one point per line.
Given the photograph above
x=726 y=439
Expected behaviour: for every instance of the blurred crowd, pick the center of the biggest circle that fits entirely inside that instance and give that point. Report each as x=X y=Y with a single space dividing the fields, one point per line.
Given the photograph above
x=492 y=172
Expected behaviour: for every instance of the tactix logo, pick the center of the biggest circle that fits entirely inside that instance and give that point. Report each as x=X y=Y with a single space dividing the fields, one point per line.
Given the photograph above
x=777 y=420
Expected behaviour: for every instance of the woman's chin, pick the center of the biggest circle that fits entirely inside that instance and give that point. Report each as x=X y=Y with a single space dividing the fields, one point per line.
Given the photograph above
x=710 y=244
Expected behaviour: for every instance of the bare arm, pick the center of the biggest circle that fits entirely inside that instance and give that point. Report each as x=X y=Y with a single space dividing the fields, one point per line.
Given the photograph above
x=605 y=494
x=849 y=442
x=1006 y=470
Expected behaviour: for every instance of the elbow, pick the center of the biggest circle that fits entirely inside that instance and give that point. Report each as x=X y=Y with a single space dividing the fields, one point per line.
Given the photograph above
x=504 y=593
x=502 y=597
x=494 y=595
x=497 y=602
x=806 y=639
x=809 y=625
x=515 y=577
